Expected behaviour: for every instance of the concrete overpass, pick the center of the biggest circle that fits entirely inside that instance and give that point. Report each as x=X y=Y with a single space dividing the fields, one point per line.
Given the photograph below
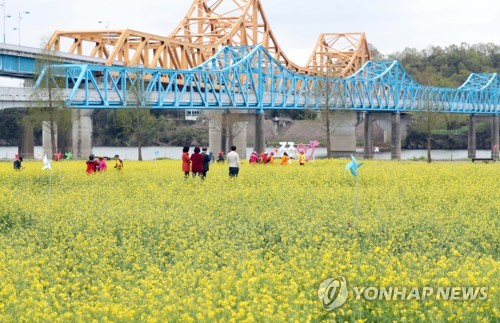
x=20 y=62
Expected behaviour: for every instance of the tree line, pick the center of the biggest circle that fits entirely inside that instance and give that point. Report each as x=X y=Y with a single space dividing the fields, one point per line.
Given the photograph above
x=448 y=67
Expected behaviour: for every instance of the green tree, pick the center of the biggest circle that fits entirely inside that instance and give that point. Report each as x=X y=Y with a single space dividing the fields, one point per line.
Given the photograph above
x=138 y=119
x=10 y=120
x=48 y=100
x=331 y=117
x=447 y=67
x=431 y=117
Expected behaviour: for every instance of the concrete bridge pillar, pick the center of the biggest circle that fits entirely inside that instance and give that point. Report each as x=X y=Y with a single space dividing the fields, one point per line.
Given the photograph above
x=386 y=125
x=26 y=145
x=260 y=141
x=240 y=140
x=219 y=137
x=344 y=133
x=214 y=138
x=396 y=136
x=46 y=140
x=82 y=132
x=495 y=137
x=471 y=138
x=368 y=131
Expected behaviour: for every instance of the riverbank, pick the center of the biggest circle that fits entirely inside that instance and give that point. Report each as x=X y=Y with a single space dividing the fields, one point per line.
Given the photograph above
x=152 y=153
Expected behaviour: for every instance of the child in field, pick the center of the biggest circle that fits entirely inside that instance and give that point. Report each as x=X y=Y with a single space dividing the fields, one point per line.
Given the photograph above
x=254 y=158
x=102 y=164
x=302 y=158
x=263 y=158
x=270 y=157
x=118 y=163
x=92 y=164
x=220 y=157
x=284 y=159
x=17 y=163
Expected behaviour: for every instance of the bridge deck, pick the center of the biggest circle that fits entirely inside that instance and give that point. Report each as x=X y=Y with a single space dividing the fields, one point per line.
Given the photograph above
x=20 y=61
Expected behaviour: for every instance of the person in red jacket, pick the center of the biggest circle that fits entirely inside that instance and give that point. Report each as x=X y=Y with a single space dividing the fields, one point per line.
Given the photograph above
x=196 y=162
x=92 y=164
x=263 y=158
x=186 y=162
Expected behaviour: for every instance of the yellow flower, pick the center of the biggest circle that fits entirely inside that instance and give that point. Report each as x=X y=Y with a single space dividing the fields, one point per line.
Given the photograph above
x=147 y=245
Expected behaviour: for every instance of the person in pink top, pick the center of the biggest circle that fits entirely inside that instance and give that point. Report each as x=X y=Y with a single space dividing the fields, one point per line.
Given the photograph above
x=102 y=164
x=254 y=158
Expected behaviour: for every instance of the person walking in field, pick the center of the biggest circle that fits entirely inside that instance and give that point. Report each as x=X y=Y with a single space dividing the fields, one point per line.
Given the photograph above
x=196 y=162
x=233 y=159
x=186 y=161
x=206 y=162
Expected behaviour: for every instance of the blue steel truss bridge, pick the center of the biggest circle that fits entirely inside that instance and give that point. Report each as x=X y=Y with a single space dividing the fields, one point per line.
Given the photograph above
x=249 y=77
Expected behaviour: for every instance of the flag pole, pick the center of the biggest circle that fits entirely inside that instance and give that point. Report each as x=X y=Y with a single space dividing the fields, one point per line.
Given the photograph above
x=357 y=197
x=68 y=156
x=50 y=188
x=353 y=167
x=60 y=174
x=46 y=165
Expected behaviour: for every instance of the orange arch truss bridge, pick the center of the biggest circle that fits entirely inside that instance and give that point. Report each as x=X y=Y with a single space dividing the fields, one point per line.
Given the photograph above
x=207 y=27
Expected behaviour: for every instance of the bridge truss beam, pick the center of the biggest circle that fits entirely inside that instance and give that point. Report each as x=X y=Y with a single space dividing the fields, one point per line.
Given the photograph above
x=339 y=54
x=207 y=27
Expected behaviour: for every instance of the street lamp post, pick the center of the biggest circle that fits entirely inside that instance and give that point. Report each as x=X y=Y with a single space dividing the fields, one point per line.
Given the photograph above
x=107 y=39
x=21 y=14
x=4 y=17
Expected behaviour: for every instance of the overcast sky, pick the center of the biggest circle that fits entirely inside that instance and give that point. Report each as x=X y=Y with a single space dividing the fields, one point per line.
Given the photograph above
x=390 y=25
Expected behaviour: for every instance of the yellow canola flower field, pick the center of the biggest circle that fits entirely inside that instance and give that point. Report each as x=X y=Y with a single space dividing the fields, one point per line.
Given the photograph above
x=146 y=245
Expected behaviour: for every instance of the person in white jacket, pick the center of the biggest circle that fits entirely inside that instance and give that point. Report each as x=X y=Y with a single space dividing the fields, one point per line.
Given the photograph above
x=233 y=159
